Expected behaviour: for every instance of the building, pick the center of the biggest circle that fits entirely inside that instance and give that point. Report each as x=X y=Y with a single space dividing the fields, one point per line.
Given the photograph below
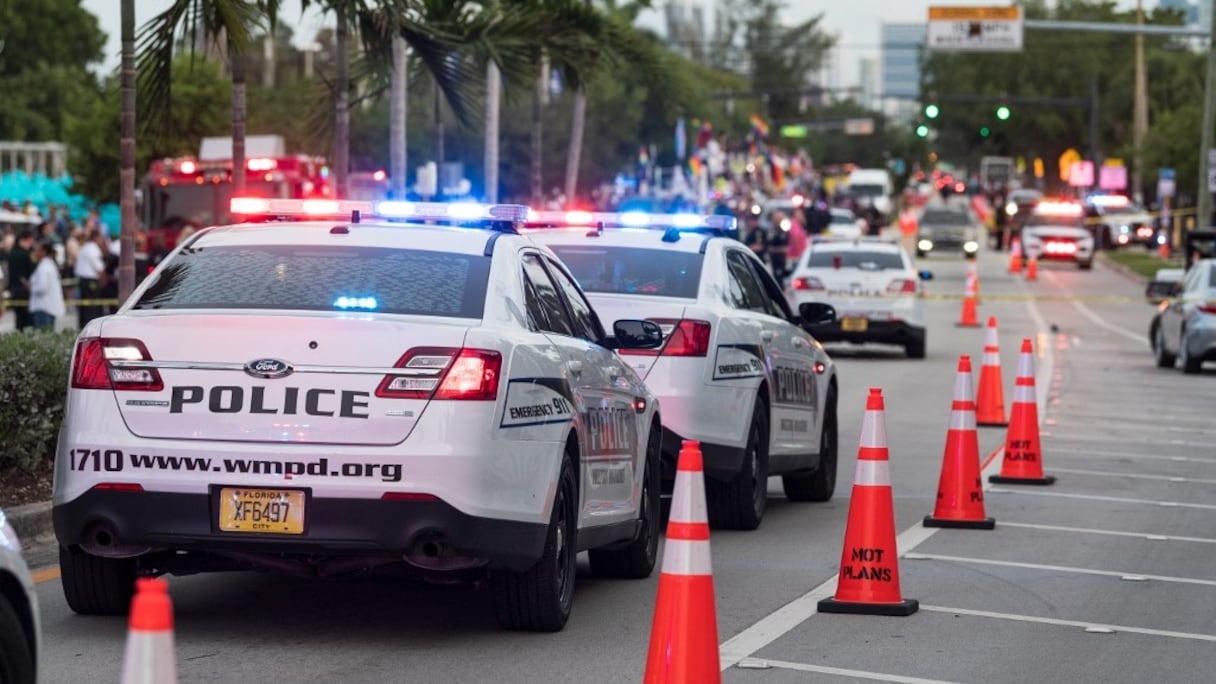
x=686 y=26
x=1190 y=11
x=901 y=46
x=869 y=76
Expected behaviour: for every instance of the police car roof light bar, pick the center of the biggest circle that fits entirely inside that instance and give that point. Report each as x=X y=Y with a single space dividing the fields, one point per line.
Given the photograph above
x=465 y=213
x=632 y=219
x=1058 y=208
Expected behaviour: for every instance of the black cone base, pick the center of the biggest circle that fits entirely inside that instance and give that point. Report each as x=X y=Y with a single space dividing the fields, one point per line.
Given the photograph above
x=902 y=609
x=968 y=325
x=1005 y=424
x=1043 y=481
x=985 y=524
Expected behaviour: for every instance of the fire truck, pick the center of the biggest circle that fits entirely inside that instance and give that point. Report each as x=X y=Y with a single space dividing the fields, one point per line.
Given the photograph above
x=194 y=191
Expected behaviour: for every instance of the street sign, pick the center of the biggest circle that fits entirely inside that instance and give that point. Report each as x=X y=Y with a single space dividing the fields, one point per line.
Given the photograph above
x=794 y=131
x=1112 y=177
x=1165 y=183
x=1066 y=161
x=859 y=126
x=978 y=29
x=1081 y=174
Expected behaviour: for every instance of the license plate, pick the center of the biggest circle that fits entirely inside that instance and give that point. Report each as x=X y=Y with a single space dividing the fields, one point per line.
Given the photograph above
x=854 y=324
x=263 y=511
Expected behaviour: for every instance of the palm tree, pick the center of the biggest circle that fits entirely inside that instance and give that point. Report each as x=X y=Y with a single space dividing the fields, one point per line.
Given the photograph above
x=126 y=259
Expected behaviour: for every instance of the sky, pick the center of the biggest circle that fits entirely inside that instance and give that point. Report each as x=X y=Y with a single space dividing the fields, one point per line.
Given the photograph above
x=856 y=23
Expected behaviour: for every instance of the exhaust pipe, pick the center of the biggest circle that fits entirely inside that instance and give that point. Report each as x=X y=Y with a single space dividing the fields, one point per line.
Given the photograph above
x=100 y=539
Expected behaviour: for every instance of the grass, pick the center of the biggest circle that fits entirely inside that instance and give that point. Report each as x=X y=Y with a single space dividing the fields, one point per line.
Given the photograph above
x=1142 y=262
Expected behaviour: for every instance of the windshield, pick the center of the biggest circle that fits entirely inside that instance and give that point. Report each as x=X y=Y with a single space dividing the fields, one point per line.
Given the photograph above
x=1123 y=209
x=867 y=190
x=945 y=218
x=866 y=261
x=322 y=278
x=623 y=270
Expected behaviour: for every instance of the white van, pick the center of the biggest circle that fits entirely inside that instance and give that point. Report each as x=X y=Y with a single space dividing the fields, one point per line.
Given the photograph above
x=872 y=186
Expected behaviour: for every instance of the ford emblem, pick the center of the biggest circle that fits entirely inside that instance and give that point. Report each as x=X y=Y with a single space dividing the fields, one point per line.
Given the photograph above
x=268 y=368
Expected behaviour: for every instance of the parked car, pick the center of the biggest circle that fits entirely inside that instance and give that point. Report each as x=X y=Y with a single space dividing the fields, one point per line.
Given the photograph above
x=19 y=622
x=1184 y=329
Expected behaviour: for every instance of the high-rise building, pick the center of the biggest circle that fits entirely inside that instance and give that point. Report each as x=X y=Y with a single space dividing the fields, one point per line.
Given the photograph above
x=901 y=47
x=870 y=76
x=686 y=26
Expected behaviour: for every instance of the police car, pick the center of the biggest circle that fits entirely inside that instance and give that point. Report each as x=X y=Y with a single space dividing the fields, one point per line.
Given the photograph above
x=737 y=371
x=871 y=284
x=1055 y=229
x=1118 y=222
x=344 y=388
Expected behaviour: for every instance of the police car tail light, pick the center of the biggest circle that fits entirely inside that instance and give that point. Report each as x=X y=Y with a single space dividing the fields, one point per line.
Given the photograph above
x=101 y=364
x=444 y=373
x=807 y=283
x=688 y=338
x=902 y=286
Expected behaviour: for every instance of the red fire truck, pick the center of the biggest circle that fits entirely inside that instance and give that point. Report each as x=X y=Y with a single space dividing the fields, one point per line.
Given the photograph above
x=194 y=191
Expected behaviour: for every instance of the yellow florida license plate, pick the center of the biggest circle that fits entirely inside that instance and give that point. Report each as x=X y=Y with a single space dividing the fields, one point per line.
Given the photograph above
x=264 y=511
x=854 y=324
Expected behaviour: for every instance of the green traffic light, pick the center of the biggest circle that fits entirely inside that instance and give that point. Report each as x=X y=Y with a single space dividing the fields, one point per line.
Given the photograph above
x=922 y=131
x=984 y=131
x=932 y=111
x=1002 y=113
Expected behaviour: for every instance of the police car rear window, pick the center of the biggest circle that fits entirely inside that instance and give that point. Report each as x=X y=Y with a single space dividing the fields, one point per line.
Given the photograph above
x=323 y=278
x=625 y=270
x=866 y=261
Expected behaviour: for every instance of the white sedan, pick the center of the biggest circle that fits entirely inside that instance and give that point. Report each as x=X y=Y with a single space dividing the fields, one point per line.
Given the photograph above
x=19 y=618
x=1055 y=230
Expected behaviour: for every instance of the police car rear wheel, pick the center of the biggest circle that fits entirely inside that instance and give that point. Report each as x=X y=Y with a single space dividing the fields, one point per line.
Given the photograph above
x=637 y=560
x=93 y=585
x=539 y=599
x=16 y=655
x=740 y=503
x=819 y=484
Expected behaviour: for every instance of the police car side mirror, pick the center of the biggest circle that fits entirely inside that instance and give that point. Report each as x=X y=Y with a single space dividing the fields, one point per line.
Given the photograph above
x=635 y=334
x=816 y=313
x=925 y=275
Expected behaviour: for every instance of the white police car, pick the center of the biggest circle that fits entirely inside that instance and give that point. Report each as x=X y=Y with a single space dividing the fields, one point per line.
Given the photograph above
x=873 y=287
x=342 y=393
x=737 y=372
x=1056 y=230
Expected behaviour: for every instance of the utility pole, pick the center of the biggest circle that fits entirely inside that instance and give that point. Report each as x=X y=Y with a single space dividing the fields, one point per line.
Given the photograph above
x=1093 y=124
x=1139 y=111
x=1203 y=213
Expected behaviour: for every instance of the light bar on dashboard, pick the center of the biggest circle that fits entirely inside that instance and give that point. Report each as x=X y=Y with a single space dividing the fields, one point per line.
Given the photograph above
x=387 y=209
x=629 y=219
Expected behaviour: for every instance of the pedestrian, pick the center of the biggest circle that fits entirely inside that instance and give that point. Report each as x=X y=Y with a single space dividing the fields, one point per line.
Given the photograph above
x=754 y=237
x=798 y=237
x=779 y=244
x=873 y=221
x=90 y=271
x=46 y=289
x=20 y=270
x=908 y=227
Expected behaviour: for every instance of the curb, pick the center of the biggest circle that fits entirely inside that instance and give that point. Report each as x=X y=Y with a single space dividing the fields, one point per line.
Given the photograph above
x=31 y=521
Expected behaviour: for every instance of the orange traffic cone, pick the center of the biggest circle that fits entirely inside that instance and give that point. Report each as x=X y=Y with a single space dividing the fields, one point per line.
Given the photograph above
x=149 y=657
x=960 y=493
x=990 y=409
x=1164 y=250
x=968 y=318
x=684 y=635
x=869 y=565
x=1032 y=268
x=1015 y=256
x=1023 y=462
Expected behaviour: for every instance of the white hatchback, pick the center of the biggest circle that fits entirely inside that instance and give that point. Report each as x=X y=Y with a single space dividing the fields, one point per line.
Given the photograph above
x=871 y=283
x=326 y=391
x=737 y=372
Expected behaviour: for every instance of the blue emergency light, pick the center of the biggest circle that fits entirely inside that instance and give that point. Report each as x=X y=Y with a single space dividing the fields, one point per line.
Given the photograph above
x=440 y=212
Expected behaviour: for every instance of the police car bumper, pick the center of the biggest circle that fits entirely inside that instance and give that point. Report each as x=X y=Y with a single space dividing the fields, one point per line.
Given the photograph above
x=848 y=329
x=152 y=521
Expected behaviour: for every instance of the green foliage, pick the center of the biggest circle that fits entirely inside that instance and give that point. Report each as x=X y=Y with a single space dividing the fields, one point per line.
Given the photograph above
x=32 y=395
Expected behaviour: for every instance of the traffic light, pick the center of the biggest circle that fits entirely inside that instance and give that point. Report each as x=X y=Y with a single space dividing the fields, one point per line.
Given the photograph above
x=985 y=131
x=922 y=131
x=1002 y=113
x=932 y=110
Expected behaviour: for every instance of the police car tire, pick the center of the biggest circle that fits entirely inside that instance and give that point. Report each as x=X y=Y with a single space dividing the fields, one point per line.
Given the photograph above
x=94 y=585
x=739 y=504
x=637 y=559
x=1085 y=265
x=16 y=654
x=537 y=599
x=1163 y=357
x=819 y=484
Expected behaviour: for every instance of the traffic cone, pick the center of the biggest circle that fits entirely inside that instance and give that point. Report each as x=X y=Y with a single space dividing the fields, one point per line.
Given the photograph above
x=869 y=565
x=960 y=492
x=149 y=657
x=968 y=318
x=1023 y=462
x=684 y=635
x=1032 y=268
x=1164 y=251
x=990 y=409
x=1015 y=256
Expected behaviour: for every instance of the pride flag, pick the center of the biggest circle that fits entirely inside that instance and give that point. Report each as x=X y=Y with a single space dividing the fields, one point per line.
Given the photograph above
x=759 y=125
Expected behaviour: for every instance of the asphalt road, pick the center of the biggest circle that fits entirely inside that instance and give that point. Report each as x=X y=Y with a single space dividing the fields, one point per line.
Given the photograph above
x=1105 y=576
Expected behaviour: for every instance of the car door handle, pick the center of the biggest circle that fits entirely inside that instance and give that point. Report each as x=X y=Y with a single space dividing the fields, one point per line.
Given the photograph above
x=576 y=368
x=766 y=335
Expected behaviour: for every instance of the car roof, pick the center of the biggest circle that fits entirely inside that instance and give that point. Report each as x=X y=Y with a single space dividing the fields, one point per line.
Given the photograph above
x=401 y=235
x=636 y=238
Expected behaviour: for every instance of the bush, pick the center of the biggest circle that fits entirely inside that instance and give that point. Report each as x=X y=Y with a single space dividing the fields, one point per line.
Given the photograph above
x=33 y=388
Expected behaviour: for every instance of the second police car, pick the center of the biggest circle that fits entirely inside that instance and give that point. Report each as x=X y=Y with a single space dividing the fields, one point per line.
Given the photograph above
x=737 y=371
x=1056 y=230
x=402 y=387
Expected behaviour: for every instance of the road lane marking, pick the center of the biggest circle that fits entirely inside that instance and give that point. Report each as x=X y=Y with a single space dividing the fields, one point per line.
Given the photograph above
x=765 y=663
x=1112 y=533
x=1160 y=478
x=1111 y=499
x=1059 y=568
x=1095 y=626
x=1138 y=338
x=46 y=574
x=1144 y=457
x=1158 y=443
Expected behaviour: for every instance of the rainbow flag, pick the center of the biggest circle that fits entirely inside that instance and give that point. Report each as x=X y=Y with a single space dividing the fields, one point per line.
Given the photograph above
x=759 y=125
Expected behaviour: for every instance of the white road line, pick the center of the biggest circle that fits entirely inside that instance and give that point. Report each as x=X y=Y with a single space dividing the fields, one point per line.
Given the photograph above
x=1069 y=623
x=1130 y=476
x=1142 y=457
x=765 y=663
x=1095 y=497
x=1111 y=533
x=1138 y=338
x=776 y=624
x=1060 y=568
x=1158 y=443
